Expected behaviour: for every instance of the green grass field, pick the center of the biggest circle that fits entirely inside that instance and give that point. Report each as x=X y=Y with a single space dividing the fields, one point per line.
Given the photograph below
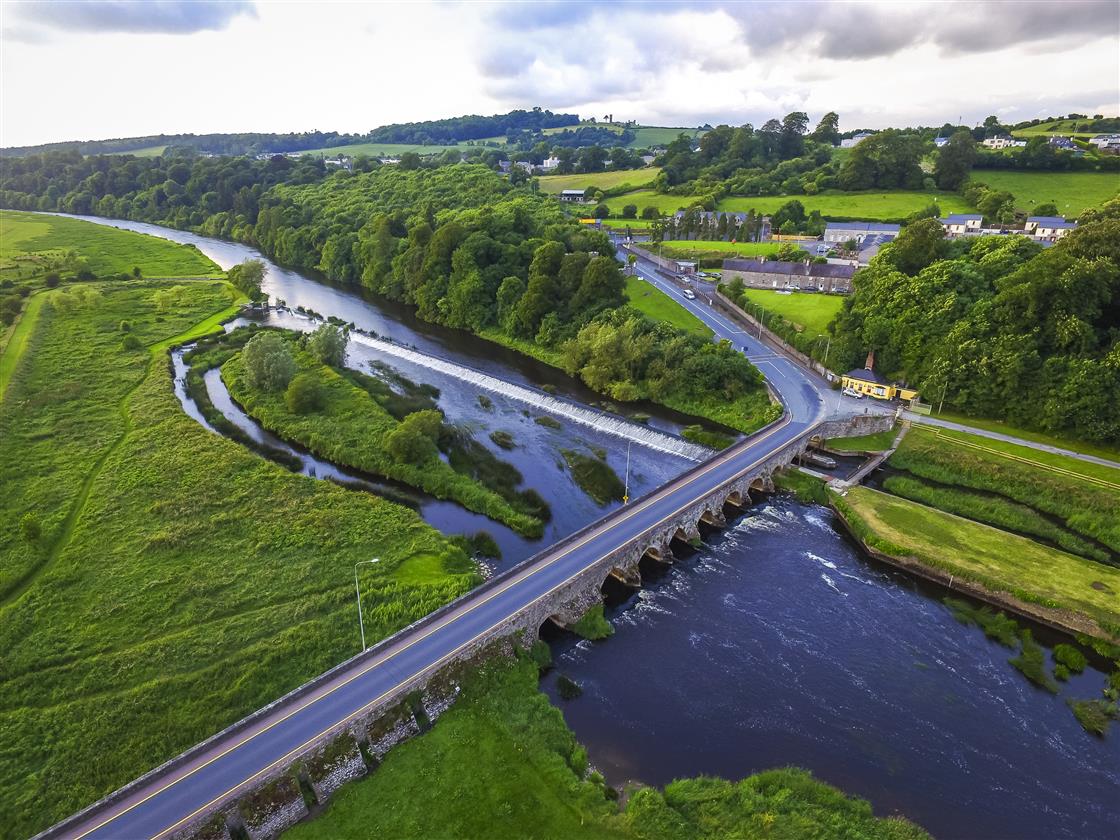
x=659 y=306
x=1072 y=192
x=710 y=249
x=1054 y=128
x=1112 y=453
x=990 y=556
x=644 y=136
x=603 y=180
x=877 y=442
x=1084 y=495
x=812 y=311
x=502 y=763
x=30 y=243
x=167 y=581
x=382 y=149
x=895 y=204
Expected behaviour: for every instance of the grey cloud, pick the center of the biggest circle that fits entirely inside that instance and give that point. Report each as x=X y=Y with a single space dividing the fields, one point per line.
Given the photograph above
x=172 y=17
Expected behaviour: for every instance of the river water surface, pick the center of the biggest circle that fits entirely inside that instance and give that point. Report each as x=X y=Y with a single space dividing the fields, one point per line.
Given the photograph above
x=776 y=644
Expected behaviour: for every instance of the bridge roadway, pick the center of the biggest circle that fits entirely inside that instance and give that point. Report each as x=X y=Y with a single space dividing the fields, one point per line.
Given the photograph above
x=168 y=800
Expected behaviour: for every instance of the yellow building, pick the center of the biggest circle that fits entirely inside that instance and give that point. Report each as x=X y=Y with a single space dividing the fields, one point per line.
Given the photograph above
x=870 y=382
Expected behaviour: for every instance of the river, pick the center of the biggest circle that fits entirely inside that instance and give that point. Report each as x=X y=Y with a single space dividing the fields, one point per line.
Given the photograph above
x=776 y=644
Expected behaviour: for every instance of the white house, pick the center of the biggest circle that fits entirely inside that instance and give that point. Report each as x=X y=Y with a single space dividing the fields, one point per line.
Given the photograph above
x=550 y=163
x=1002 y=143
x=962 y=224
x=1048 y=228
x=940 y=141
x=854 y=140
x=572 y=195
x=648 y=159
x=843 y=231
x=1102 y=140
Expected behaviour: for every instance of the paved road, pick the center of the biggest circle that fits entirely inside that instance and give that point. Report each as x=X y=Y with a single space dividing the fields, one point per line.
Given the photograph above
x=169 y=799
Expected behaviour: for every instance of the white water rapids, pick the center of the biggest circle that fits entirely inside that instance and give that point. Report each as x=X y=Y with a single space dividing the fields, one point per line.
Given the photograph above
x=601 y=421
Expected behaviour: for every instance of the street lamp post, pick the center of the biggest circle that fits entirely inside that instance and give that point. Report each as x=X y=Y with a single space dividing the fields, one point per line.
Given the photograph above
x=358 y=593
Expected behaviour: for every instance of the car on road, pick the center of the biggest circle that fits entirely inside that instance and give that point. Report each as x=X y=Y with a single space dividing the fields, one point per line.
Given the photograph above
x=688 y=293
x=852 y=392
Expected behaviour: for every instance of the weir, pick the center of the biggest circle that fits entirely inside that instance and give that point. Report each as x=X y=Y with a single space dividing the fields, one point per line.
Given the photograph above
x=600 y=421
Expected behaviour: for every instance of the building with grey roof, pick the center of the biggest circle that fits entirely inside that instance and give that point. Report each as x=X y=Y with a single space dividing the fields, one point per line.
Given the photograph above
x=843 y=231
x=803 y=275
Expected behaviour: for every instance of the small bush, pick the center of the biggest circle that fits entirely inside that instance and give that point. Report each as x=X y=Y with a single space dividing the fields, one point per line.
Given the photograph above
x=130 y=342
x=1031 y=662
x=1093 y=715
x=304 y=394
x=568 y=688
x=125 y=326
x=52 y=280
x=502 y=439
x=593 y=625
x=30 y=527
x=1070 y=657
x=485 y=402
x=548 y=422
x=541 y=654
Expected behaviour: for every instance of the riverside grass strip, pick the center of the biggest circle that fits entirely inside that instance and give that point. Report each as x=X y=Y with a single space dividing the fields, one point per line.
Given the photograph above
x=1072 y=491
x=995 y=559
x=181 y=581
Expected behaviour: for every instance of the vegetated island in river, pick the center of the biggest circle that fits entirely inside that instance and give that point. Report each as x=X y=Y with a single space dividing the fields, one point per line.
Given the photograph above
x=358 y=421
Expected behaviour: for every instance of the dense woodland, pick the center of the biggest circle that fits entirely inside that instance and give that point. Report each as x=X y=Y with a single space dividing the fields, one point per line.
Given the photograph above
x=470 y=127
x=459 y=243
x=998 y=326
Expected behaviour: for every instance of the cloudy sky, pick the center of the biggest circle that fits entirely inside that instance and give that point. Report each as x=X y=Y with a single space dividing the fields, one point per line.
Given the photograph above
x=90 y=70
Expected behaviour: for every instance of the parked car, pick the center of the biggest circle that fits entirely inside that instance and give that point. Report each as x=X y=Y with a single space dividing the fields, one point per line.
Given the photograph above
x=852 y=392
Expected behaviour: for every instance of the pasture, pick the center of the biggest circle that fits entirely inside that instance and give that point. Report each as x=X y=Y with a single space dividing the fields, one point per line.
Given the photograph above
x=634 y=178
x=1072 y=192
x=30 y=243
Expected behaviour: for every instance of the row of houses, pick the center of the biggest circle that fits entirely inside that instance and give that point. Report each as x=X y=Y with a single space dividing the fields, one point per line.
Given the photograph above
x=1044 y=229
x=803 y=276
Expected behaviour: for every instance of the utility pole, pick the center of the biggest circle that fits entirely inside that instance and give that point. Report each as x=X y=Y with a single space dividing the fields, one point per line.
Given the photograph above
x=626 y=488
x=358 y=593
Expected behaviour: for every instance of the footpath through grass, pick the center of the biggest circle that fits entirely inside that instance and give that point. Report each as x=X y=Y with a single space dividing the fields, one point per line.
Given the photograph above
x=502 y=763
x=994 y=558
x=168 y=582
x=655 y=304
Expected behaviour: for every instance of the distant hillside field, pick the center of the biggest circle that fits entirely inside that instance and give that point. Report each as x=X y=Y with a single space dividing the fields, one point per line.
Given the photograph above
x=1058 y=128
x=871 y=205
x=379 y=149
x=1071 y=191
x=644 y=136
x=603 y=180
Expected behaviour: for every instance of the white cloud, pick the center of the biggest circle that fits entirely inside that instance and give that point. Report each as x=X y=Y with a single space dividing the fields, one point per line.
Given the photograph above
x=128 y=70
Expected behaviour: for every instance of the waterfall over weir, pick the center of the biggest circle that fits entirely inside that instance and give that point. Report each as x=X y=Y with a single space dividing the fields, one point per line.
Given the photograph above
x=602 y=421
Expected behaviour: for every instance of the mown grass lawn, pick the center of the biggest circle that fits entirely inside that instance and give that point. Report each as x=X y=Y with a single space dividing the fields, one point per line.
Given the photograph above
x=179 y=581
x=110 y=251
x=709 y=249
x=1082 y=494
x=877 y=442
x=603 y=180
x=660 y=307
x=811 y=310
x=1072 y=192
x=991 y=556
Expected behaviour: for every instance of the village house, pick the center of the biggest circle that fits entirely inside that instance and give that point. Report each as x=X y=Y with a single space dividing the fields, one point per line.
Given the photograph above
x=962 y=224
x=1002 y=143
x=805 y=275
x=1105 y=141
x=1062 y=143
x=572 y=195
x=843 y=231
x=550 y=163
x=855 y=140
x=871 y=383
x=1048 y=228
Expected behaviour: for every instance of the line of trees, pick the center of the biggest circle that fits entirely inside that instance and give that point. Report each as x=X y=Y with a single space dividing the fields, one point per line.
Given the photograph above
x=998 y=326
